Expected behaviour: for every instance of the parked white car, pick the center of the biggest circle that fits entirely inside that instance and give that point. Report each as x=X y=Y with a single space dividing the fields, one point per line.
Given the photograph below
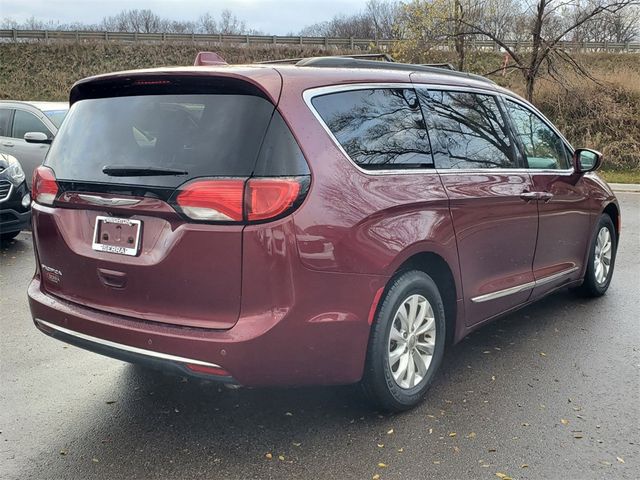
x=27 y=129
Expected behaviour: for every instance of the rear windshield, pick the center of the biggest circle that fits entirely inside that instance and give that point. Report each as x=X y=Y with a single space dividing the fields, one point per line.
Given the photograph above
x=195 y=135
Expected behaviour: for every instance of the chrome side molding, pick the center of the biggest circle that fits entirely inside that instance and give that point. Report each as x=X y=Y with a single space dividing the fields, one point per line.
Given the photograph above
x=520 y=288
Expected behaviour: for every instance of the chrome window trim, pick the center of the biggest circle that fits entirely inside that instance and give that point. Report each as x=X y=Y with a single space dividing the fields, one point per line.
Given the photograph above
x=125 y=348
x=520 y=288
x=309 y=94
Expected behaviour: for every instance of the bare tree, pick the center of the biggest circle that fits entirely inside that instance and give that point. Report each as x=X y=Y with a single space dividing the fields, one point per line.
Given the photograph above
x=548 y=29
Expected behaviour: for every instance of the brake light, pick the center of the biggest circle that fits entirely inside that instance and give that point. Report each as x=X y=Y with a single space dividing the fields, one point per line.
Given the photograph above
x=44 y=188
x=213 y=200
x=239 y=199
x=269 y=197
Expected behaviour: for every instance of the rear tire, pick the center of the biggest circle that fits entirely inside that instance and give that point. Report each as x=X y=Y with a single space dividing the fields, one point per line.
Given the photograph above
x=601 y=261
x=406 y=344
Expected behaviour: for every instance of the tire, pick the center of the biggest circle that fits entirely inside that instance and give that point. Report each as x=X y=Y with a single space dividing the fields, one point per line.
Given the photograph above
x=383 y=381
x=595 y=285
x=6 y=237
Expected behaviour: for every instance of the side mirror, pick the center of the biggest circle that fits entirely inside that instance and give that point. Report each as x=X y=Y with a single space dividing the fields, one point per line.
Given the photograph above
x=36 y=137
x=586 y=160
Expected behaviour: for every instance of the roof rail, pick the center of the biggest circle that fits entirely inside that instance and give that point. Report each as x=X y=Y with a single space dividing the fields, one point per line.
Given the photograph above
x=349 y=62
x=382 y=57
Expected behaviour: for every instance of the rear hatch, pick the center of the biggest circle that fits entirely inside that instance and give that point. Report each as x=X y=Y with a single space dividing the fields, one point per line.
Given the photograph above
x=147 y=178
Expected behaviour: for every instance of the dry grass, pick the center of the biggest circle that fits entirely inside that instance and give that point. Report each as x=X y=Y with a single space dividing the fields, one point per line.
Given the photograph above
x=604 y=115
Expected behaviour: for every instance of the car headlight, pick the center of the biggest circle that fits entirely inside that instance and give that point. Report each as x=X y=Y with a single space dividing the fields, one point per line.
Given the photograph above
x=14 y=171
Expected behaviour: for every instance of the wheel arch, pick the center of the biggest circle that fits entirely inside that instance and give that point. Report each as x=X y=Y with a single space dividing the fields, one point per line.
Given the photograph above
x=613 y=211
x=440 y=271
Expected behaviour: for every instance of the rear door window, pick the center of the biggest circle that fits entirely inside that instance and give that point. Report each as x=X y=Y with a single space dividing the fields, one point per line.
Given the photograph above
x=198 y=135
x=24 y=122
x=379 y=128
x=467 y=130
x=5 y=122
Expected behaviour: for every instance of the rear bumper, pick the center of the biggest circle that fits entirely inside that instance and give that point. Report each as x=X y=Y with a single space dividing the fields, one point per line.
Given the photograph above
x=126 y=353
x=294 y=347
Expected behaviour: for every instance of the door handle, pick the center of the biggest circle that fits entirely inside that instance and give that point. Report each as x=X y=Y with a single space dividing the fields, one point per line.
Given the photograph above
x=528 y=196
x=546 y=196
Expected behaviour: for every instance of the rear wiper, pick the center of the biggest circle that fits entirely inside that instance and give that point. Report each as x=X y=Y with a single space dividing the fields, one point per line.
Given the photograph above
x=129 y=171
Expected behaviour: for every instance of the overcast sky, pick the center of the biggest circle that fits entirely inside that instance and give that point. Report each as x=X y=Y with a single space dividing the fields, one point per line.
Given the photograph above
x=277 y=17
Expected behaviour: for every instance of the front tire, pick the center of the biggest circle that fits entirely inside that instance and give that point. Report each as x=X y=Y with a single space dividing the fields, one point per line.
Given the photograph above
x=406 y=344
x=602 y=256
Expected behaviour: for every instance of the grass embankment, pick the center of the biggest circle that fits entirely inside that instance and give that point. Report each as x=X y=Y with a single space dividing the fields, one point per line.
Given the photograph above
x=604 y=114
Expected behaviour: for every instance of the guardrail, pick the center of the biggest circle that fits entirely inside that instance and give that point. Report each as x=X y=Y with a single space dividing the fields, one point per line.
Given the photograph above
x=353 y=43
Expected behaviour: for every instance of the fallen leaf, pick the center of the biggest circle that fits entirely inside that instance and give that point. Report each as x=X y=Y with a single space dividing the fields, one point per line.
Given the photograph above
x=281 y=458
x=524 y=465
x=382 y=465
x=542 y=354
x=564 y=421
x=381 y=445
x=472 y=435
x=620 y=459
x=493 y=378
x=63 y=452
x=491 y=450
x=430 y=431
x=503 y=476
x=268 y=456
x=452 y=434
x=376 y=477
x=525 y=424
x=604 y=462
x=95 y=460
x=436 y=462
x=487 y=351
x=296 y=444
x=288 y=414
x=577 y=435
x=390 y=432
x=400 y=450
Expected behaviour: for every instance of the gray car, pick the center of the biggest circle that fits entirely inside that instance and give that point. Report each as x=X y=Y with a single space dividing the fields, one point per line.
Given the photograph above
x=36 y=121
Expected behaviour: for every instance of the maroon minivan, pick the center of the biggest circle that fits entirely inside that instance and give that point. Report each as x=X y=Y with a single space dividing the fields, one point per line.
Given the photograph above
x=329 y=222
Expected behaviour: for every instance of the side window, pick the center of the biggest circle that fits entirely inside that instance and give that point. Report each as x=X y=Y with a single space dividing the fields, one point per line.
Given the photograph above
x=5 y=121
x=24 y=122
x=469 y=130
x=543 y=148
x=379 y=128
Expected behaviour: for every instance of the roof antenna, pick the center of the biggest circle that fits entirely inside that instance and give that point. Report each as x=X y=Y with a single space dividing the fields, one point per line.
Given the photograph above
x=209 y=58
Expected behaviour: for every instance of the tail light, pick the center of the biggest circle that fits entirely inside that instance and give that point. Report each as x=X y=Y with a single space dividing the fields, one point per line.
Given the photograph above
x=213 y=200
x=239 y=199
x=44 y=188
x=270 y=197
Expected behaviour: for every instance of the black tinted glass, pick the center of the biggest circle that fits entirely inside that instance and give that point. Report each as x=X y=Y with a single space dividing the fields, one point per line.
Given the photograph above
x=5 y=121
x=280 y=154
x=469 y=130
x=543 y=148
x=24 y=122
x=378 y=128
x=204 y=135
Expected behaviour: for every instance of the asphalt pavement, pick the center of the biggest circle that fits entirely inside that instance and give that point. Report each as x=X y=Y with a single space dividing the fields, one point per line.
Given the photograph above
x=549 y=392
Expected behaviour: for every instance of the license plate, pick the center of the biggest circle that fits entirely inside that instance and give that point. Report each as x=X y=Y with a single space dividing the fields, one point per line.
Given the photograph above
x=117 y=235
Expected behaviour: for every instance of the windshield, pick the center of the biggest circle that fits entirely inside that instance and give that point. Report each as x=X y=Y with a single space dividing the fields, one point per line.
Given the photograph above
x=56 y=116
x=198 y=135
